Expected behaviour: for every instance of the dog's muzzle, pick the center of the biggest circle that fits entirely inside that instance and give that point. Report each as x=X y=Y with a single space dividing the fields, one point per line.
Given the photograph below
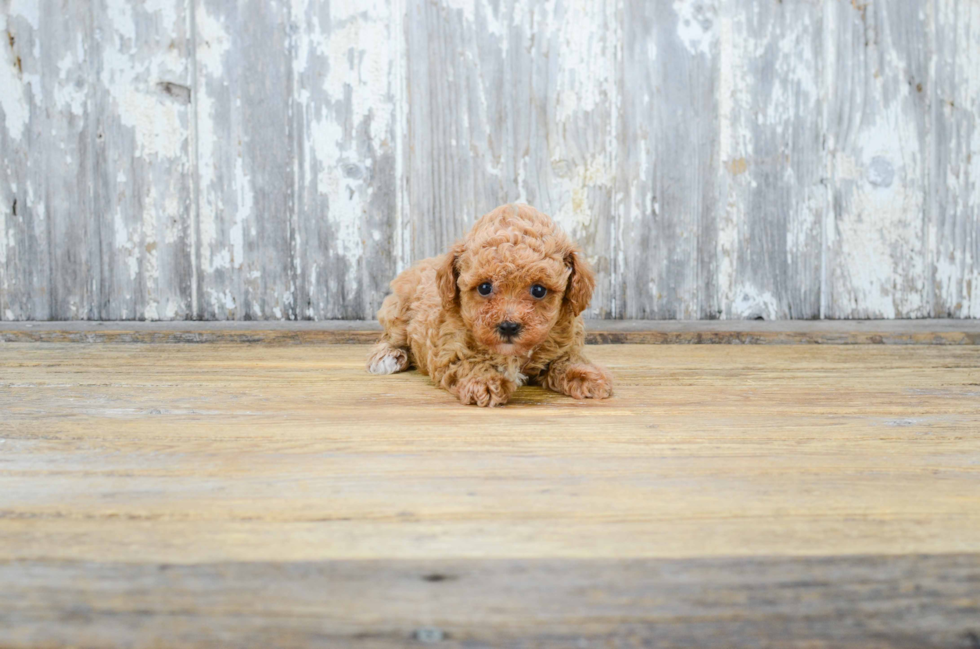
x=508 y=330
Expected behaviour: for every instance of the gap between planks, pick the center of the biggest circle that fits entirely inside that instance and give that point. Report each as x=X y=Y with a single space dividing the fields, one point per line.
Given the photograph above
x=780 y=332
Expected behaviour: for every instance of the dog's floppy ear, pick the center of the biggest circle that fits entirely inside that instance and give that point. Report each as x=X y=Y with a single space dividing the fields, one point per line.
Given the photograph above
x=581 y=282
x=447 y=277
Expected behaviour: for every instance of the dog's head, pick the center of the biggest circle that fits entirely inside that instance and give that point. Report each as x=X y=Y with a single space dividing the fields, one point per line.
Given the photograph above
x=513 y=277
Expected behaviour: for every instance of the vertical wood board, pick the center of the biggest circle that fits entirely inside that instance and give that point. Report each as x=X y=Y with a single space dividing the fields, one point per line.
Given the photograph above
x=204 y=159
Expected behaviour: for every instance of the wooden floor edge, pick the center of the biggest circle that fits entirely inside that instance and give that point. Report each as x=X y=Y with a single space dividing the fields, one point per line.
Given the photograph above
x=789 y=332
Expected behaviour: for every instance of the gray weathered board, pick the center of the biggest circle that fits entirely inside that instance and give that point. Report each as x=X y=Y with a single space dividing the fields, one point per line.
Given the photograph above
x=256 y=159
x=854 y=602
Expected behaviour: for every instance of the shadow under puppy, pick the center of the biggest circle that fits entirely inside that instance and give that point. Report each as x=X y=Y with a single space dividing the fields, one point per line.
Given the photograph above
x=501 y=308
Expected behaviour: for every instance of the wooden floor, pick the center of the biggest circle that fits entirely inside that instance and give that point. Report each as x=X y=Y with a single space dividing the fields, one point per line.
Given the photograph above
x=264 y=495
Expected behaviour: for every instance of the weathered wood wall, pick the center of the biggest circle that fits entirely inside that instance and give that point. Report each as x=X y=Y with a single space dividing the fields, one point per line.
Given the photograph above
x=255 y=159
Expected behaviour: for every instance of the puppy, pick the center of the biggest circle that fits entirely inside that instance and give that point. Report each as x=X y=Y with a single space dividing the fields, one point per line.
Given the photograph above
x=501 y=308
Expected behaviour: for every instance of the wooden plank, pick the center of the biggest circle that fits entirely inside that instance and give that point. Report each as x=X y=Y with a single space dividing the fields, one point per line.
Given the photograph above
x=251 y=495
x=345 y=59
x=207 y=453
x=265 y=333
x=850 y=332
x=199 y=159
x=876 y=75
x=246 y=161
x=668 y=163
x=955 y=220
x=768 y=251
x=903 y=601
x=102 y=178
x=143 y=164
x=49 y=232
x=513 y=101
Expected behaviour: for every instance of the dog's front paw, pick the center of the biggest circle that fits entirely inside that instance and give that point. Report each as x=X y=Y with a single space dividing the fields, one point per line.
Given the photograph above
x=385 y=359
x=486 y=391
x=583 y=381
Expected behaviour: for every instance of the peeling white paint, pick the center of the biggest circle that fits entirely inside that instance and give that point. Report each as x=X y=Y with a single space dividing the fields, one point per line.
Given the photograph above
x=71 y=94
x=5 y=243
x=213 y=46
x=585 y=50
x=467 y=7
x=244 y=211
x=155 y=123
x=165 y=9
x=955 y=228
x=218 y=260
x=877 y=260
x=223 y=299
x=348 y=196
x=66 y=63
x=400 y=99
x=29 y=10
x=555 y=139
x=752 y=304
x=575 y=215
x=174 y=309
x=130 y=81
x=213 y=43
x=325 y=139
x=766 y=86
x=72 y=98
x=126 y=239
x=13 y=102
x=120 y=14
x=586 y=73
x=697 y=24
x=732 y=145
x=148 y=250
x=341 y=12
x=881 y=265
x=363 y=40
x=357 y=51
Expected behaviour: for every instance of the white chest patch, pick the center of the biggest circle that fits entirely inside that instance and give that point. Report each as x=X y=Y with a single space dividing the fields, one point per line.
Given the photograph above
x=512 y=370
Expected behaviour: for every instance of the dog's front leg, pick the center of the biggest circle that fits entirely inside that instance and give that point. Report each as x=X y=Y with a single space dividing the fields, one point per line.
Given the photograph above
x=575 y=376
x=478 y=383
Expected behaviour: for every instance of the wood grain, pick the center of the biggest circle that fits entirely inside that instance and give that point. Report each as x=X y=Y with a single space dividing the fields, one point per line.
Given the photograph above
x=246 y=163
x=513 y=101
x=726 y=496
x=196 y=159
x=670 y=70
x=345 y=92
x=50 y=238
x=904 y=601
x=879 y=147
x=143 y=167
x=778 y=332
x=954 y=227
x=767 y=252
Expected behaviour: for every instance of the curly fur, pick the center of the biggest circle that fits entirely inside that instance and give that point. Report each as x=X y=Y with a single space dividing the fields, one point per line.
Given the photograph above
x=436 y=320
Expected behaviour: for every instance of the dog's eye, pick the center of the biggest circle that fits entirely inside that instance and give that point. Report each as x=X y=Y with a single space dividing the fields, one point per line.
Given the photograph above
x=538 y=291
x=485 y=288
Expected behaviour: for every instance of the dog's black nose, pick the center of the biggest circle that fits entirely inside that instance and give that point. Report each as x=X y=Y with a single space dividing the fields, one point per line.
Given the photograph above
x=509 y=329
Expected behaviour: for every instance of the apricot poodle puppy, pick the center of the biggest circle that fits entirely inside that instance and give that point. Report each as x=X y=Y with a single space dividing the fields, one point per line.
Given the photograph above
x=501 y=308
